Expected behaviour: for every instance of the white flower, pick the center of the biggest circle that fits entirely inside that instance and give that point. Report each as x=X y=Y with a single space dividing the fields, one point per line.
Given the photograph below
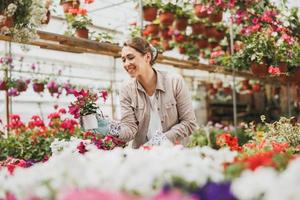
x=10 y=10
x=253 y=184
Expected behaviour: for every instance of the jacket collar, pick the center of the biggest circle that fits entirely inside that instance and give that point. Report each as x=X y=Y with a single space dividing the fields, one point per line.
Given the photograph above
x=160 y=85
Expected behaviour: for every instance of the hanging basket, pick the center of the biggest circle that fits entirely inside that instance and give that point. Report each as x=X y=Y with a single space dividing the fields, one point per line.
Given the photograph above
x=216 y=17
x=260 y=70
x=202 y=43
x=166 y=18
x=90 y=121
x=181 y=23
x=8 y=22
x=198 y=28
x=71 y=4
x=149 y=13
x=165 y=34
x=21 y=86
x=152 y=29
x=38 y=87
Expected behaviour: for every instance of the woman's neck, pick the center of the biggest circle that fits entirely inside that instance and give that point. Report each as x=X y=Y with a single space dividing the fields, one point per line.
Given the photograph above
x=148 y=80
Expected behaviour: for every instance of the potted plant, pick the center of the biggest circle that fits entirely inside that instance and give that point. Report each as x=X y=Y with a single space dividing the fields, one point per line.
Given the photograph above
x=152 y=29
x=22 y=85
x=150 y=8
x=3 y=84
x=85 y=107
x=259 y=50
x=197 y=26
x=18 y=16
x=166 y=33
x=167 y=14
x=201 y=41
x=52 y=87
x=182 y=16
x=80 y=24
x=69 y=4
x=39 y=85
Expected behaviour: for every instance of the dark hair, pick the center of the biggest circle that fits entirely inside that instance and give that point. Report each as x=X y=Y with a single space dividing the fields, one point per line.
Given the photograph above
x=141 y=45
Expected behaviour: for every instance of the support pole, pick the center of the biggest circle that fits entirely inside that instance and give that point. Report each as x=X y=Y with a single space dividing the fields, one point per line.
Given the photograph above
x=233 y=76
x=113 y=108
x=141 y=15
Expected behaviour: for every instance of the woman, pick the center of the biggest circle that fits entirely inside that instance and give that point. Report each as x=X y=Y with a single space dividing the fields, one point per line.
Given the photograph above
x=155 y=105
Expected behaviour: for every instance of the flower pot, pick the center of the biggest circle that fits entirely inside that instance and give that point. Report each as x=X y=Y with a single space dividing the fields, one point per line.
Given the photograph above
x=149 y=13
x=219 y=35
x=3 y=85
x=181 y=23
x=38 y=87
x=216 y=17
x=165 y=34
x=197 y=28
x=47 y=18
x=210 y=31
x=90 y=121
x=200 y=11
x=166 y=18
x=82 y=33
x=260 y=70
x=152 y=29
x=202 y=43
x=8 y=22
x=70 y=5
x=21 y=86
x=182 y=50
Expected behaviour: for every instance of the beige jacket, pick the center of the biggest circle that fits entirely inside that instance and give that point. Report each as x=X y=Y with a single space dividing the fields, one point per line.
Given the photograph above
x=174 y=106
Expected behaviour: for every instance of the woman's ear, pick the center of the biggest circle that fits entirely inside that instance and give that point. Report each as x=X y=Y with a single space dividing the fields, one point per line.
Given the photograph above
x=148 y=57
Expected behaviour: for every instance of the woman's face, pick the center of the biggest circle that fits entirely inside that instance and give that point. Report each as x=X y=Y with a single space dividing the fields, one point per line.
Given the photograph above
x=134 y=62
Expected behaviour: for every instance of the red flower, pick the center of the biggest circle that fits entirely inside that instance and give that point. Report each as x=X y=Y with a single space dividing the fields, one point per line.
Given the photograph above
x=81 y=148
x=62 y=110
x=104 y=95
x=54 y=115
x=82 y=11
x=287 y=38
x=11 y=168
x=69 y=124
x=279 y=147
x=73 y=11
x=36 y=121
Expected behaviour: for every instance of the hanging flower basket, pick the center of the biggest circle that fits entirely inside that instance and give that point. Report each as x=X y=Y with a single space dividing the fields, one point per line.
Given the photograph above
x=52 y=87
x=219 y=35
x=216 y=17
x=152 y=29
x=202 y=43
x=210 y=31
x=90 y=121
x=82 y=33
x=197 y=28
x=166 y=18
x=260 y=70
x=150 y=13
x=200 y=10
x=181 y=23
x=3 y=85
x=38 y=87
x=21 y=85
x=180 y=37
x=182 y=50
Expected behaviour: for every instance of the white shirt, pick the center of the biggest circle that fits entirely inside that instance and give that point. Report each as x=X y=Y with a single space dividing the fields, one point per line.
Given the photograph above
x=155 y=123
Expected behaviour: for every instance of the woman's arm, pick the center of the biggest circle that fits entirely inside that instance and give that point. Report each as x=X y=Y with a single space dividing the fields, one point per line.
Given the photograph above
x=128 y=124
x=186 y=116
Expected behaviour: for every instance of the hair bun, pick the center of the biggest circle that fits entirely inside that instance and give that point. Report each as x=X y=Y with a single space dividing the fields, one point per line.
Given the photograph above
x=154 y=53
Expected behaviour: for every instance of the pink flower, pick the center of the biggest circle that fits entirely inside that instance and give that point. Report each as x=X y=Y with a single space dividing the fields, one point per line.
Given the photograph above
x=62 y=110
x=287 y=38
x=218 y=2
x=274 y=70
x=255 y=20
x=104 y=95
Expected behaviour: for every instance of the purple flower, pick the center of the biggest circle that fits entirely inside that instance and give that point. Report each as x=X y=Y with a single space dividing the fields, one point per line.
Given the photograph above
x=215 y=191
x=13 y=92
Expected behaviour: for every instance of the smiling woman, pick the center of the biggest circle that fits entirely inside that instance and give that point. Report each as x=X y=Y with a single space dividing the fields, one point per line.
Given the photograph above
x=156 y=106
